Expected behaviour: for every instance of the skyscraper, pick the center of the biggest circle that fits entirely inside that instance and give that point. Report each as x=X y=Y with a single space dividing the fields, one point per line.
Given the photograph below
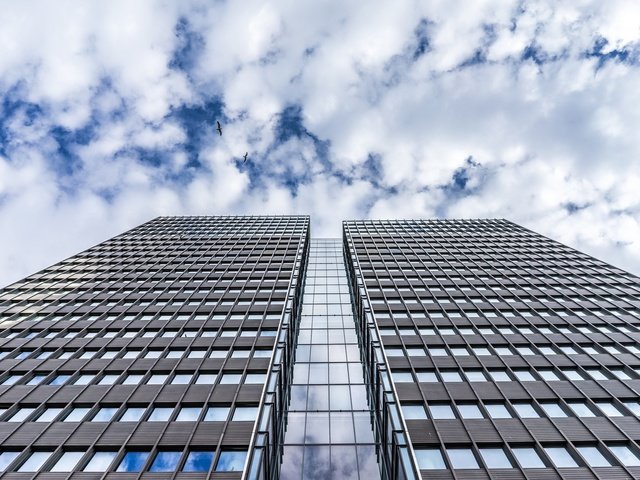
x=239 y=347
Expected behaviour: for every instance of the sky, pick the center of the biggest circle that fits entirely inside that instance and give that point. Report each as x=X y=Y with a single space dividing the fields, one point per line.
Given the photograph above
x=525 y=110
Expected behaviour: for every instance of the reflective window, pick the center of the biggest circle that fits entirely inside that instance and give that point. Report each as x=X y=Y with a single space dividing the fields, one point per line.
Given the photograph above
x=462 y=458
x=593 y=456
x=133 y=462
x=245 y=414
x=132 y=414
x=495 y=458
x=21 y=414
x=76 y=414
x=188 y=414
x=105 y=414
x=216 y=414
x=6 y=458
x=528 y=458
x=198 y=462
x=165 y=461
x=497 y=410
x=581 y=409
x=625 y=455
x=560 y=457
x=525 y=410
x=49 y=414
x=441 y=412
x=160 y=414
x=469 y=411
x=34 y=462
x=231 y=461
x=413 y=412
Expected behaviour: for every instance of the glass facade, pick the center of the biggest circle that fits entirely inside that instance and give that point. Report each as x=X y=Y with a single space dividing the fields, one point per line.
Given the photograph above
x=329 y=433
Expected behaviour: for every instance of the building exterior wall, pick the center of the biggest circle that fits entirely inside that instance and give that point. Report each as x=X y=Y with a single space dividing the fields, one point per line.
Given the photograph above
x=148 y=355
x=510 y=355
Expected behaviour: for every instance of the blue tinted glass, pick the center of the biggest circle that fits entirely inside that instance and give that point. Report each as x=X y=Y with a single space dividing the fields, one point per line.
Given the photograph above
x=6 y=458
x=59 y=380
x=231 y=462
x=165 y=462
x=133 y=462
x=198 y=462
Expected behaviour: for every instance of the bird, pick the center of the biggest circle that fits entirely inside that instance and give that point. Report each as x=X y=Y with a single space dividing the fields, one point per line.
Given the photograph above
x=245 y=156
x=219 y=128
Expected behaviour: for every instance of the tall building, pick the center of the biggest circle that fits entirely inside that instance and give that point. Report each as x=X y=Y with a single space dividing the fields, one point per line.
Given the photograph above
x=239 y=347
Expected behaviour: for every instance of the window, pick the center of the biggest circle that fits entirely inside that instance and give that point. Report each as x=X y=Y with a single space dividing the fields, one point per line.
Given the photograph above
x=132 y=414
x=468 y=411
x=49 y=414
x=413 y=412
x=21 y=414
x=59 y=379
x=84 y=379
x=165 y=462
x=528 y=458
x=216 y=414
x=450 y=376
x=11 y=379
x=157 y=379
x=609 y=409
x=581 y=409
x=6 y=458
x=548 y=375
x=108 y=379
x=99 y=462
x=182 y=379
x=553 y=410
x=245 y=414
x=133 y=462
x=198 y=462
x=105 y=414
x=593 y=456
x=495 y=458
x=524 y=375
x=525 y=410
x=160 y=414
x=497 y=410
x=34 y=462
x=560 y=457
x=132 y=379
x=441 y=412
x=231 y=378
x=462 y=458
x=499 y=375
x=475 y=376
x=76 y=414
x=231 y=461
x=67 y=462
x=625 y=455
x=430 y=459
x=255 y=378
x=188 y=414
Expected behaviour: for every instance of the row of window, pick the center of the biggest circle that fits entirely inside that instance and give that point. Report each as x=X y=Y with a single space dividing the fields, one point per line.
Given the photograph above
x=523 y=375
x=496 y=410
x=527 y=457
x=131 y=461
x=129 y=378
x=508 y=330
x=218 y=413
x=132 y=353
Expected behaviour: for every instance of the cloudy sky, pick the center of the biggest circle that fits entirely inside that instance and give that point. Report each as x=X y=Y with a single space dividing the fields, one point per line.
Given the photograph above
x=527 y=110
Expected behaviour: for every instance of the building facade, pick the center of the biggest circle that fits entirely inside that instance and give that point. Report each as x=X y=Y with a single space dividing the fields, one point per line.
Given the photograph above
x=238 y=347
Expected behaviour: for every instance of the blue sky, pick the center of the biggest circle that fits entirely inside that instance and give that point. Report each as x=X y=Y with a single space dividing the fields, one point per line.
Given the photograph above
x=519 y=109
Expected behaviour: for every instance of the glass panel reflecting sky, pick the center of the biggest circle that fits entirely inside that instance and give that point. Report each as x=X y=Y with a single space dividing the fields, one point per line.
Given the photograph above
x=329 y=433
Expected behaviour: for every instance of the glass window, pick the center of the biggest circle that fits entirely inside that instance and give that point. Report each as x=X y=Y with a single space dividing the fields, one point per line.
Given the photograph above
x=560 y=457
x=450 y=376
x=581 y=409
x=105 y=414
x=441 y=412
x=524 y=375
x=625 y=455
x=499 y=375
x=426 y=376
x=430 y=459
x=413 y=412
x=160 y=414
x=230 y=378
x=21 y=414
x=216 y=414
x=76 y=414
x=206 y=379
x=528 y=457
x=157 y=379
x=133 y=462
x=84 y=379
x=245 y=414
x=525 y=410
x=6 y=458
x=132 y=414
x=59 y=379
x=548 y=375
x=495 y=458
x=593 y=456
x=475 y=376
x=188 y=414
x=609 y=409
x=231 y=461
x=553 y=410
x=34 y=462
x=133 y=379
x=108 y=379
x=497 y=410
x=469 y=411
x=198 y=462
x=165 y=462
x=255 y=378
x=67 y=462
x=181 y=379
x=49 y=414
x=462 y=458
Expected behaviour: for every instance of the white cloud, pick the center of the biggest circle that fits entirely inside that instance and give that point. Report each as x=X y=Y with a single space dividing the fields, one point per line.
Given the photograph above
x=554 y=135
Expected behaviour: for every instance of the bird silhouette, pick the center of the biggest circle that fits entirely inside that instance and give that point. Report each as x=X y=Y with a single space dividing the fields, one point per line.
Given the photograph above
x=219 y=128
x=245 y=156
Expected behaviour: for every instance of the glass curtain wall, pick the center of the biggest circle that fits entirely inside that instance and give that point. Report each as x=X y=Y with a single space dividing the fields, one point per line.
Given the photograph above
x=329 y=433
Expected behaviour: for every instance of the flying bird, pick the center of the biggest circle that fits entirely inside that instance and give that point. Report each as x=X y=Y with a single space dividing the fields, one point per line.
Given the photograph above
x=245 y=156
x=219 y=128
